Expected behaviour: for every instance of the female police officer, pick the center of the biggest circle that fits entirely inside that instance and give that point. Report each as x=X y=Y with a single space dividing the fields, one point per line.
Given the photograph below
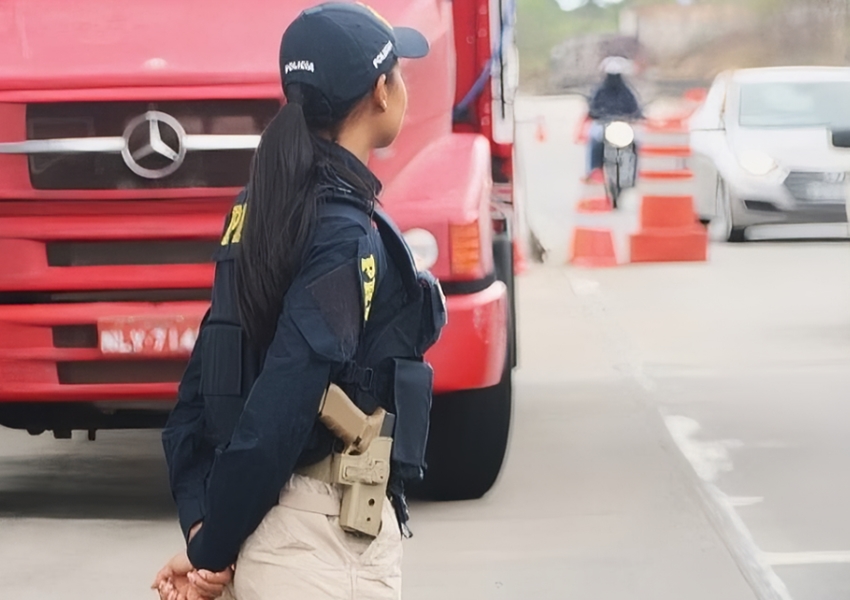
x=313 y=286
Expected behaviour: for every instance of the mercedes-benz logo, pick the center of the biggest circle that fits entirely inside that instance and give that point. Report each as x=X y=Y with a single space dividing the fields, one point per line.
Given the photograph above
x=154 y=145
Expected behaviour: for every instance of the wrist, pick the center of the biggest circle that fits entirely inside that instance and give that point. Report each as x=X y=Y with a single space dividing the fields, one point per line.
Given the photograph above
x=194 y=530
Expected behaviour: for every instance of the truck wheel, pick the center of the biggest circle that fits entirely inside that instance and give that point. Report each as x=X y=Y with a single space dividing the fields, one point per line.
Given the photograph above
x=469 y=429
x=467 y=442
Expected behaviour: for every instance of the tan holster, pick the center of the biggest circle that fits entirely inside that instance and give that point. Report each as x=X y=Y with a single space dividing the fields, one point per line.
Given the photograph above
x=363 y=466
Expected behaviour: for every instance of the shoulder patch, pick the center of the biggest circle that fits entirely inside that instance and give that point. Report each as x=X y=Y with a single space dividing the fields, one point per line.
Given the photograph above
x=235 y=222
x=368 y=279
x=335 y=296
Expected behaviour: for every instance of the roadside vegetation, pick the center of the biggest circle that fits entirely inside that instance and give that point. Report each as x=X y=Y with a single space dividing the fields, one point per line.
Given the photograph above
x=787 y=32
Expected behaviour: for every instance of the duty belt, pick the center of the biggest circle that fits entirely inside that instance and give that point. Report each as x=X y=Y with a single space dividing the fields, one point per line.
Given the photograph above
x=320 y=470
x=362 y=469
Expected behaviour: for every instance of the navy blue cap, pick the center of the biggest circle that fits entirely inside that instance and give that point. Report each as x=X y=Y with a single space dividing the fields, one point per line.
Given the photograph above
x=342 y=48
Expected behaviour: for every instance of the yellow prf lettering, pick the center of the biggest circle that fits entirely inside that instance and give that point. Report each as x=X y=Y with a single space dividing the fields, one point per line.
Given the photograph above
x=233 y=234
x=368 y=268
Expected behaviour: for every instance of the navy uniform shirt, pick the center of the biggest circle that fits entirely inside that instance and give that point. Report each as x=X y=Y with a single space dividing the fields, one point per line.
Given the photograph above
x=346 y=285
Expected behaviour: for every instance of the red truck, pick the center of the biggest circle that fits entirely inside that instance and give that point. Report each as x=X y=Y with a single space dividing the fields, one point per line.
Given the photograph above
x=126 y=129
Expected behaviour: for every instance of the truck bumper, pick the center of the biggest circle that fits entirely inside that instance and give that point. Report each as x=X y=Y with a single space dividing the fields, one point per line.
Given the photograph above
x=37 y=366
x=472 y=349
x=49 y=353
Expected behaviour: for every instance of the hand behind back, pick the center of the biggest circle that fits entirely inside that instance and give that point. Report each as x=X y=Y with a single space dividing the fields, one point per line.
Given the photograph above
x=179 y=580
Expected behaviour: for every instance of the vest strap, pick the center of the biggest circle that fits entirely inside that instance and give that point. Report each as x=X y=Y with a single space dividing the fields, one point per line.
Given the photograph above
x=390 y=236
x=353 y=374
x=399 y=252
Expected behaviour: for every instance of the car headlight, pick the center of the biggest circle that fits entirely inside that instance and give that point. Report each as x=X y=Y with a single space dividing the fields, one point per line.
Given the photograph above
x=756 y=162
x=619 y=134
x=423 y=246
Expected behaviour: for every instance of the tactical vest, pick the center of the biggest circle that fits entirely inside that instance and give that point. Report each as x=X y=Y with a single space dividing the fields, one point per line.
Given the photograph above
x=387 y=370
x=229 y=364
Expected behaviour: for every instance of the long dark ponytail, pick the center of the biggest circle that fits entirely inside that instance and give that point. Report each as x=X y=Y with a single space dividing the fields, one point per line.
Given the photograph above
x=278 y=221
x=281 y=205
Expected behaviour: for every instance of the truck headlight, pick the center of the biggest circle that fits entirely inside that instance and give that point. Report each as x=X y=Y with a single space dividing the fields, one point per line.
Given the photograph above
x=756 y=162
x=423 y=246
x=619 y=134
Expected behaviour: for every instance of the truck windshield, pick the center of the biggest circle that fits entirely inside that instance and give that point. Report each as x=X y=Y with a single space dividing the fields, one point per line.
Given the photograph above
x=809 y=104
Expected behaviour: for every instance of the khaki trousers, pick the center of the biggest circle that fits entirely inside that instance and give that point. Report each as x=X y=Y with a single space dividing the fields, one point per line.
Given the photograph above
x=299 y=552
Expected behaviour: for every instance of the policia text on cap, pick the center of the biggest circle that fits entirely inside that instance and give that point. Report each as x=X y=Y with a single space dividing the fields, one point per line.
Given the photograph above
x=316 y=306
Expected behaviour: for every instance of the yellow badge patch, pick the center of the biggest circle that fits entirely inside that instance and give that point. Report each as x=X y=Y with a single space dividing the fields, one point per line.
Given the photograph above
x=368 y=274
x=233 y=233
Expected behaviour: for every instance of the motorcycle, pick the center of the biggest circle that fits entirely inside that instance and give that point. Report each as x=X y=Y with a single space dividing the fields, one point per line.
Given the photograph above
x=619 y=166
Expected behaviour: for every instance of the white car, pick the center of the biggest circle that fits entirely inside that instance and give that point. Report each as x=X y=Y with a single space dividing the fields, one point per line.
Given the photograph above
x=762 y=151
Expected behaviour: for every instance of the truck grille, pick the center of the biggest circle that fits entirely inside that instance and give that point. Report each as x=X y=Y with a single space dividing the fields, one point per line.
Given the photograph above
x=117 y=371
x=154 y=296
x=816 y=188
x=73 y=276
x=97 y=171
x=164 y=252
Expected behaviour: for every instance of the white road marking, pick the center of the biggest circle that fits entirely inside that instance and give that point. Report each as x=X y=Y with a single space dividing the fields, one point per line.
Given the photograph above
x=738 y=501
x=783 y=559
x=708 y=459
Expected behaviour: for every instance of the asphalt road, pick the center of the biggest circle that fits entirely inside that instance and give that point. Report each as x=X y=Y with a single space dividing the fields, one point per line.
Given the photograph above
x=680 y=431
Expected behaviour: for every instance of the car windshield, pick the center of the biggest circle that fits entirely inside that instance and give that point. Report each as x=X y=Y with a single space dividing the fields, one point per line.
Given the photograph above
x=810 y=104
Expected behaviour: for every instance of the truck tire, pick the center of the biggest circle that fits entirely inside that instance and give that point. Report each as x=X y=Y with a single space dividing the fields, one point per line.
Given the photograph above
x=467 y=442
x=470 y=429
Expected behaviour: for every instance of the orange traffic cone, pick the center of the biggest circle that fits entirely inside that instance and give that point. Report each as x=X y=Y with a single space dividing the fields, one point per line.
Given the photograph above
x=667 y=212
x=669 y=231
x=593 y=248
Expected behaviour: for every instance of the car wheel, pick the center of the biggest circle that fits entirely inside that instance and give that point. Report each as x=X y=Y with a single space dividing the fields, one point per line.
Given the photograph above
x=725 y=221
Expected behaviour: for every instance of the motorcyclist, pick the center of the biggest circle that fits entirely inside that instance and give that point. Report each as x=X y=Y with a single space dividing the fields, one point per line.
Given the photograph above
x=612 y=100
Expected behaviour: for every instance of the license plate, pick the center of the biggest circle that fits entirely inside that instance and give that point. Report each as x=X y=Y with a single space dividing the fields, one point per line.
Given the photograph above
x=148 y=336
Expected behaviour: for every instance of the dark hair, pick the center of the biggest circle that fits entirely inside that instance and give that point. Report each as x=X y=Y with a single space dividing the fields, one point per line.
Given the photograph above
x=282 y=205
